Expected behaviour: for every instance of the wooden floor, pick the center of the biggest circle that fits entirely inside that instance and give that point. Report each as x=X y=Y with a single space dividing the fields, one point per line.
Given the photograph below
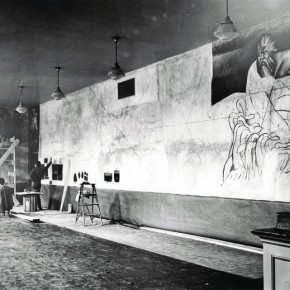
x=209 y=260
x=45 y=256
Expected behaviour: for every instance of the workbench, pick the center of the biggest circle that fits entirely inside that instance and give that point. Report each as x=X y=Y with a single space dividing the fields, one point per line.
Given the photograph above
x=29 y=200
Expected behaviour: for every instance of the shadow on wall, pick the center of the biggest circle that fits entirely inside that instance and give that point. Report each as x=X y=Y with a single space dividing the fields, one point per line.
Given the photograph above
x=115 y=209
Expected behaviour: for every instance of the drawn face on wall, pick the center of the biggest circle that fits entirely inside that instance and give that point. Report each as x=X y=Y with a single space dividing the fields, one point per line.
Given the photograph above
x=266 y=63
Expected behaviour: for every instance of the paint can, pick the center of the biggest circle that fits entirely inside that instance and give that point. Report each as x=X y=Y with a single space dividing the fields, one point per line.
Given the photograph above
x=69 y=208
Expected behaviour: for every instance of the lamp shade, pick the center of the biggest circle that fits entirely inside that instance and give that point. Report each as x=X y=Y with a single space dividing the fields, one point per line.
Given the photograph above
x=116 y=72
x=21 y=109
x=58 y=94
x=226 y=30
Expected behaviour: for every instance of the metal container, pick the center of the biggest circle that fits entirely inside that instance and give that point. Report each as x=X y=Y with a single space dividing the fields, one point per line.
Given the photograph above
x=69 y=208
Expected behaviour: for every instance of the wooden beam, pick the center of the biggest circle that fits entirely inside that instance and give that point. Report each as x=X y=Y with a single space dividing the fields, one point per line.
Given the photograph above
x=65 y=185
x=26 y=217
x=9 y=151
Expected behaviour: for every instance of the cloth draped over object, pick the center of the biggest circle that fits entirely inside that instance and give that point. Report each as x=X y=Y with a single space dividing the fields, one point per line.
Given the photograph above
x=6 y=198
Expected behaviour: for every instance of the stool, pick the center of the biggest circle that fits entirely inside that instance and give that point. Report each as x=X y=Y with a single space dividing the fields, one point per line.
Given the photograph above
x=82 y=204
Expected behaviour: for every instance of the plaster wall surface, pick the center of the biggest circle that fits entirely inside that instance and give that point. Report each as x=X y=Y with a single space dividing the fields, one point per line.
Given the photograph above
x=187 y=163
x=166 y=138
x=227 y=219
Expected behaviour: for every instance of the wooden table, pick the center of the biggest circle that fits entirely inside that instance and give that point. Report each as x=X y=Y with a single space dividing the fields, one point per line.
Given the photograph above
x=29 y=200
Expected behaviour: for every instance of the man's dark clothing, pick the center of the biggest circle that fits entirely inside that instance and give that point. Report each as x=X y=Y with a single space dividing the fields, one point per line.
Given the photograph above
x=36 y=175
x=6 y=198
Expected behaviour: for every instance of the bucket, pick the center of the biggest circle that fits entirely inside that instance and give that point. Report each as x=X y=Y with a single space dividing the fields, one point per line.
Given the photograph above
x=69 y=208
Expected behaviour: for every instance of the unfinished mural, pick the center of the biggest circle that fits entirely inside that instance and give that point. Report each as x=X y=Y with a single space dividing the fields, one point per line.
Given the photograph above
x=169 y=138
x=232 y=59
x=260 y=124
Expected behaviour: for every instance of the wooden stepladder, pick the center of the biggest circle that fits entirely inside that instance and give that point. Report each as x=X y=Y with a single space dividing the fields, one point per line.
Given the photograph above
x=87 y=202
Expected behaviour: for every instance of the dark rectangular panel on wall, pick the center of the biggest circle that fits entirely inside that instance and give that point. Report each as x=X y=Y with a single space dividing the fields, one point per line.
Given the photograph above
x=126 y=89
x=231 y=61
x=57 y=170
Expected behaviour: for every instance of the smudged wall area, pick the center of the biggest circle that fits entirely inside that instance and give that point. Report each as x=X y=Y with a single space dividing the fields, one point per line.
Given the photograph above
x=152 y=138
x=170 y=138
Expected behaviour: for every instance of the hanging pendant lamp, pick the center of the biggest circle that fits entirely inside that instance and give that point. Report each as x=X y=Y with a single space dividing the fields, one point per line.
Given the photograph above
x=116 y=72
x=226 y=30
x=21 y=109
x=58 y=94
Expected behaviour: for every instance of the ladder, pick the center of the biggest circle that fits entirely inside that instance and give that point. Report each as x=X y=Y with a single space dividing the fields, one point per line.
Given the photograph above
x=85 y=209
x=12 y=171
x=12 y=163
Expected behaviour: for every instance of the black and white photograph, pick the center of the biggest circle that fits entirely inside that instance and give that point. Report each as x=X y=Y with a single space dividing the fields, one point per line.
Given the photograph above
x=145 y=144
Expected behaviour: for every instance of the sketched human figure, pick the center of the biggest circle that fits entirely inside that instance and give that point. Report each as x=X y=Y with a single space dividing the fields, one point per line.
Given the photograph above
x=271 y=62
x=34 y=120
x=261 y=122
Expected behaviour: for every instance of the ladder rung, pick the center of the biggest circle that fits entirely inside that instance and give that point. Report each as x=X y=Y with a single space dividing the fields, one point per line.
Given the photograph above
x=87 y=209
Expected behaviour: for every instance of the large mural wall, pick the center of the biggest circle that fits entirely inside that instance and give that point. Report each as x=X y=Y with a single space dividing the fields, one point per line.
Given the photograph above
x=170 y=137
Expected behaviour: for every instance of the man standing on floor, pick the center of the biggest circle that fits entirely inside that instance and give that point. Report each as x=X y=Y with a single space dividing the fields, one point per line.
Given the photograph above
x=36 y=175
x=6 y=197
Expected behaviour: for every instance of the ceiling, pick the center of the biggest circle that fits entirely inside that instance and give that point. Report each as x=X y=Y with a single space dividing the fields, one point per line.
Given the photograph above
x=36 y=36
